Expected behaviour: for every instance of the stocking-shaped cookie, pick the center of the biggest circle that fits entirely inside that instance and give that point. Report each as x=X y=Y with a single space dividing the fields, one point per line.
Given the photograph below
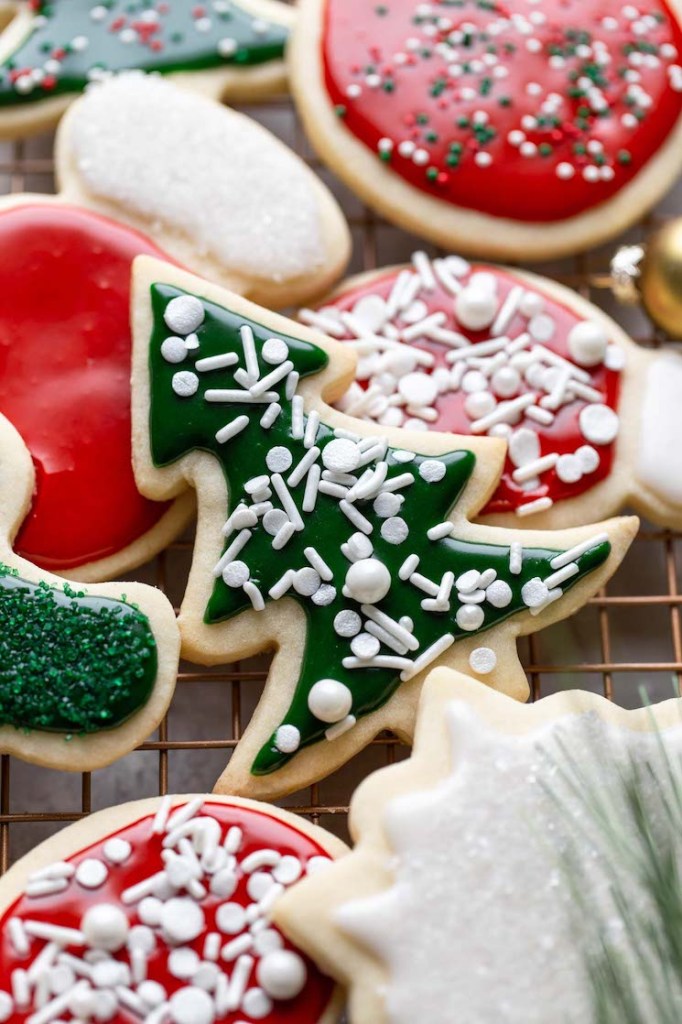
x=216 y=203
x=345 y=547
x=86 y=673
x=591 y=420
x=519 y=868
x=160 y=911
x=50 y=50
x=504 y=128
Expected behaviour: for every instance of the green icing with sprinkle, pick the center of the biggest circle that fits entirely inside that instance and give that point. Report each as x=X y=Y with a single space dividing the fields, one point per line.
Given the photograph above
x=72 y=663
x=195 y=417
x=73 y=42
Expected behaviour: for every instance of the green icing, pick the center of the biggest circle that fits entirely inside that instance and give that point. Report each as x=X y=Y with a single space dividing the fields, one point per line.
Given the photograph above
x=179 y=425
x=71 y=663
x=71 y=42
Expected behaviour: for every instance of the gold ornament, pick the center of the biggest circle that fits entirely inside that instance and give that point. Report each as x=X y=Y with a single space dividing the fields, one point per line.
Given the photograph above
x=652 y=274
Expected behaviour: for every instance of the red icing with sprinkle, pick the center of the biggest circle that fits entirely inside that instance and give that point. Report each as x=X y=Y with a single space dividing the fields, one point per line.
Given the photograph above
x=445 y=97
x=67 y=909
x=563 y=436
x=65 y=379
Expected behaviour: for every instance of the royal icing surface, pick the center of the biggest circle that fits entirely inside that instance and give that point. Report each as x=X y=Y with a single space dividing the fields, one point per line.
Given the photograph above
x=480 y=924
x=73 y=42
x=228 y=185
x=535 y=110
x=65 y=379
x=71 y=663
x=165 y=922
x=659 y=459
x=467 y=349
x=352 y=529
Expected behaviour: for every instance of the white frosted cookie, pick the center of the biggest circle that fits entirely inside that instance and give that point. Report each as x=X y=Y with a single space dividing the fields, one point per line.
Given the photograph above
x=160 y=910
x=215 y=189
x=591 y=420
x=50 y=51
x=506 y=873
x=512 y=130
x=86 y=672
x=343 y=546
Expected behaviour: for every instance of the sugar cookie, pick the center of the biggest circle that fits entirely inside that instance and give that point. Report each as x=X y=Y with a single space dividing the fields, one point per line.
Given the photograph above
x=50 y=50
x=353 y=557
x=150 y=909
x=486 y=885
x=87 y=672
x=513 y=130
x=591 y=420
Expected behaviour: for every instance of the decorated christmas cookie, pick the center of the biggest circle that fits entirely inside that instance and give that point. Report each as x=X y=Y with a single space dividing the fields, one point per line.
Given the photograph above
x=344 y=546
x=228 y=218
x=520 y=868
x=160 y=911
x=50 y=50
x=87 y=672
x=524 y=128
x=221 y=194
x=591 y=420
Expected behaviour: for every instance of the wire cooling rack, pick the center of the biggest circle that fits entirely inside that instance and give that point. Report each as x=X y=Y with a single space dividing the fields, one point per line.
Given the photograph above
x=626 y=638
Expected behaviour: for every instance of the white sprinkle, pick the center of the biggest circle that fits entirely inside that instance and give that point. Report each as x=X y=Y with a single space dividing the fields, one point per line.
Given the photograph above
x=428 y=656
x=499 y=594
x=288 y=502
x=561 y=575
x=184 y=314
x=291 y=385
x=270 y=415
x=318 y=563
x=250 y=357
x=17 y=936
x=239 y=981
x=559 y=561
x=535 y=468
x=334 y=731
x=287 y=739
x=599 y=424
x=515 y=558
x=161 y=817
x=232 y=551
x=356 y=517
x=216 y=362
x=54 y=933
x=230 y=430
x=91 y=873
x=283 y=535
x=322 y=321
x=230 y=395
x=470 y=617
x=270 y=379
x=254 y=595
x=381 y=661
x=440 y=531
x=533 y=507
x=408 y=567
x=422 y=264
x=297 y=425
x=283 y=584
x=482 y=660
x=427 y=585
x=311 y=427
x=304 y=465
x=185 y=383
x=312 y=486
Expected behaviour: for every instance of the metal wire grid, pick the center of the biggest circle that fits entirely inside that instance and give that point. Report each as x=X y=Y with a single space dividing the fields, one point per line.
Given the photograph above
x=628 y=636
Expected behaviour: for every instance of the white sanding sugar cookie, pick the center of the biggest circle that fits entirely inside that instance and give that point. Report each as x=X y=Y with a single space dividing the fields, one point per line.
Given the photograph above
x=488 y=859
x=89 y=942
x=50 y=52
x=218 y=189
x=513 y=130
x=586 y=432
x=346 y=549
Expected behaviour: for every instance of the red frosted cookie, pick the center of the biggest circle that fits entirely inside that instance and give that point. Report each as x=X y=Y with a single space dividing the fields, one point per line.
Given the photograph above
x=159 y=911
x=517 y=128
x=590 y=419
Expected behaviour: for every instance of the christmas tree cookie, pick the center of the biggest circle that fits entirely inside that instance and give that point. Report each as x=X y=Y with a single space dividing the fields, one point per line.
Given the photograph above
x=87 y=672
x=505 y=128
x=50 y=50
x=160 y=911
x=524 y=859
x=65 y=360
x=591 y=420
x=345 y=548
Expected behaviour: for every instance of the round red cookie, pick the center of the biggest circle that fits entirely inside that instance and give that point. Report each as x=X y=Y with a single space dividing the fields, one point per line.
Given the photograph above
x=159 y=911
x=512 y=127
x=444 y=345
x=65 y=385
